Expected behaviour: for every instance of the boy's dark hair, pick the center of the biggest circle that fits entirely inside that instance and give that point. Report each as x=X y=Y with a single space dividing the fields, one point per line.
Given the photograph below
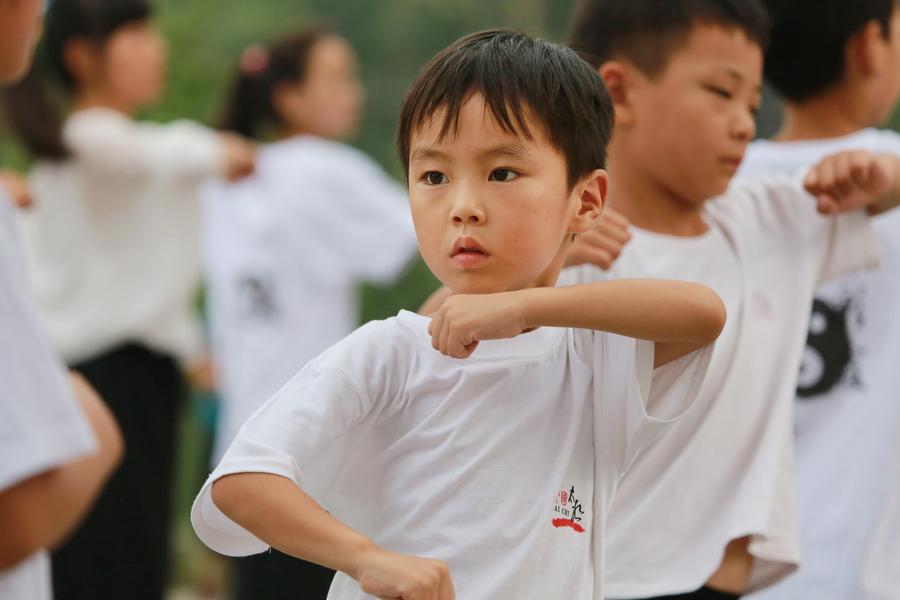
x=522 y=80
x=809 y=40
x=647 y=32
x=30 y=108
x=249 y=110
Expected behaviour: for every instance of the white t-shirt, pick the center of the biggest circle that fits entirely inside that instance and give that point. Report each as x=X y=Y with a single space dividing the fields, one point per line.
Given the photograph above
x=724 y=470
x=285 y=251
x=112 y=237
x=847 y=415
x=41 y=426
x=486 y=463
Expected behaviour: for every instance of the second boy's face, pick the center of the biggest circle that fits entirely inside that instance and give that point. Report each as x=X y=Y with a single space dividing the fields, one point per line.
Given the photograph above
x=693 y=121
x=493 y=211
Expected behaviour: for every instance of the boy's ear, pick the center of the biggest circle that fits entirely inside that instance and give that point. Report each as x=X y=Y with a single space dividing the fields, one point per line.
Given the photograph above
x=591 y=192
x=617 y=77
x=865 y=52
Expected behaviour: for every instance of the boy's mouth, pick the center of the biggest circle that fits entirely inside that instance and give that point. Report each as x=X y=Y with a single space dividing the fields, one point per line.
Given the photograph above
x=466 y=245
x=468 y=253
x=733 y=162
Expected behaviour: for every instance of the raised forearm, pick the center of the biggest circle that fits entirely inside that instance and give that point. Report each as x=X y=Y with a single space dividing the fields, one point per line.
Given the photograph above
x=662 y=311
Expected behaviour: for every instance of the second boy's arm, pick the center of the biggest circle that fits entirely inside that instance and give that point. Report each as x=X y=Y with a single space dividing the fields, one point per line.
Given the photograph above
x=680 y=316
x=278 y=512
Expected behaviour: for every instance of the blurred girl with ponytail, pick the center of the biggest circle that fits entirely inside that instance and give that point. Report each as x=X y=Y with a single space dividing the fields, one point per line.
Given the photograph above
x=286 y=248
x=113 y=244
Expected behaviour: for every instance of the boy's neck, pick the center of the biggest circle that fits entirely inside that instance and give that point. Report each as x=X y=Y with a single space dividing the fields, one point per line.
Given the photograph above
x=831 y=115
x=650 y=206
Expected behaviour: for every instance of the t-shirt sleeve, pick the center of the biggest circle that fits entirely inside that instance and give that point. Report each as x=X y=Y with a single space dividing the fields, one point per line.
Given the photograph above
x=778 y=211
x=365 y=219
x=304 y=421
x=41 y=424
x=636 y=403
x=108 y=143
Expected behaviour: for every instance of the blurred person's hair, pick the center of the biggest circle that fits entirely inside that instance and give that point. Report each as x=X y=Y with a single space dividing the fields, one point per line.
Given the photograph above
x=32 y=109
x=647 y=32
x=526 y=84
x=249 y=109
x=806 y=55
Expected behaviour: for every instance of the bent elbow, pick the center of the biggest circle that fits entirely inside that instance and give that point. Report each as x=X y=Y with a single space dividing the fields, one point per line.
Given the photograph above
x=711 y=315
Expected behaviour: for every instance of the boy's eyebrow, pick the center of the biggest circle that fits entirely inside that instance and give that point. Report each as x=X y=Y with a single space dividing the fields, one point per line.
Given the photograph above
x=514 y=151
x=422 y=154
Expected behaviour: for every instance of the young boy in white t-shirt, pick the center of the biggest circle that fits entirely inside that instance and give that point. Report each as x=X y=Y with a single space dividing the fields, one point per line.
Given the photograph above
x=489 y=475
x=837 y=68
x=58 y=442
x=707 y=510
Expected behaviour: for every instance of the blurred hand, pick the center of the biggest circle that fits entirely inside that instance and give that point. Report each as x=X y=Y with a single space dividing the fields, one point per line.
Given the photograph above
x=239 y=155
x=201 y=374
x=464 y=320
x=16 y=187
x=392 y=576
x=851 y=180
x=603 y=244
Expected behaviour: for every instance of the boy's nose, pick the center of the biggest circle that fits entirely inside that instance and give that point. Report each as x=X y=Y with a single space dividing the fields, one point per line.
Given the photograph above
x=744 y=127
x=467 y=211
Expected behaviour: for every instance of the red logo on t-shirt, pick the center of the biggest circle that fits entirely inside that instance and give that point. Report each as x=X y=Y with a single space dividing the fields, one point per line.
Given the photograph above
x=568 y=510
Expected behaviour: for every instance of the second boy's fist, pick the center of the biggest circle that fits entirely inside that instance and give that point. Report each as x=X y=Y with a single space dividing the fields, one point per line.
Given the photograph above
x=601 y=245
x=851 y=180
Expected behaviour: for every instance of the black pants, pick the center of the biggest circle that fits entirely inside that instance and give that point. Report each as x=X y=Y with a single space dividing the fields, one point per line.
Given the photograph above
x=277 y=576
x=703 y=593
x=121 y=550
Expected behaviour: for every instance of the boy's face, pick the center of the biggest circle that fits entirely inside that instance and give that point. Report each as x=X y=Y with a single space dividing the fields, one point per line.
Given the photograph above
x=493 y=211
x=688 y=127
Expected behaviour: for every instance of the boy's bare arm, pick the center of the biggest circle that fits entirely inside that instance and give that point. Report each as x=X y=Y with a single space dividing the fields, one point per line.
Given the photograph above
x=278 y=512
x=849 y=181
x=680 y=316
x=40 y=512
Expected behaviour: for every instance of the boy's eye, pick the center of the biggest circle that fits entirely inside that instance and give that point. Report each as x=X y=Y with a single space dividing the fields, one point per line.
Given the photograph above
x=721 y=92
x=435 y=178
x=503 y=175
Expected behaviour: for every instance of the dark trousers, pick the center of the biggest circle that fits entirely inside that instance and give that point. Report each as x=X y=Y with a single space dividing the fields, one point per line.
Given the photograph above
x=277 y=576
x=121 y=550
x=703 y=593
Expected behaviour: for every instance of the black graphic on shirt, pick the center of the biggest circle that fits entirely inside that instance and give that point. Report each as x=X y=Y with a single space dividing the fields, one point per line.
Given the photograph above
x=829 y=355
x=256 y=298
x=577 y=508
